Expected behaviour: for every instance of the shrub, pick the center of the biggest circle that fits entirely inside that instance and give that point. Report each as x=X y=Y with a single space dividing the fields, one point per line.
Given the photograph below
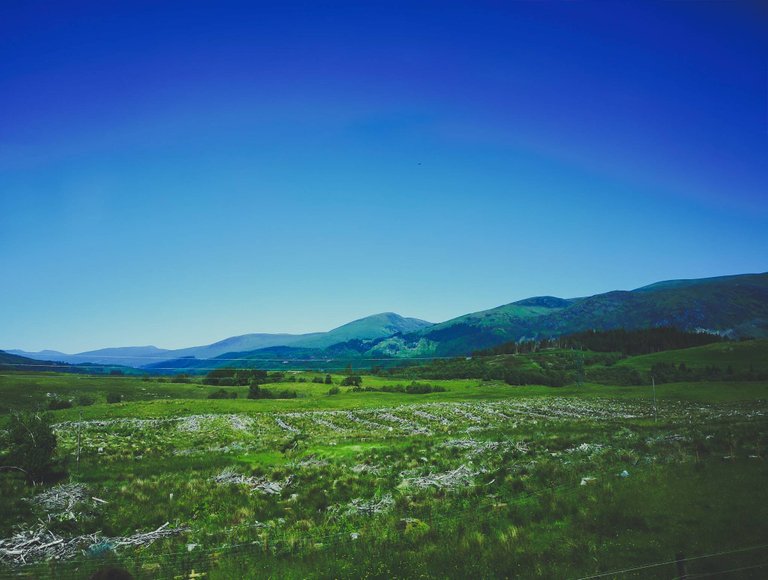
x=31 y=443
x=423 y=388
x=57 y=404
x=229 y=377
x=352 y=381
x=222 y=394
x=334 y=391
x=413 y=389
x=113 y=397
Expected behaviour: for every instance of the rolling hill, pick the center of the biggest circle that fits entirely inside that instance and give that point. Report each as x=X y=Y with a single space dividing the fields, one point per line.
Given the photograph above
x=14 y=362
x=369 y=328
x=740 y=356
x=733 y=306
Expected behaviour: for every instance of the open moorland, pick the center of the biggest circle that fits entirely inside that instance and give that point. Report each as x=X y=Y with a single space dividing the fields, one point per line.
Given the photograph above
x=398 y=476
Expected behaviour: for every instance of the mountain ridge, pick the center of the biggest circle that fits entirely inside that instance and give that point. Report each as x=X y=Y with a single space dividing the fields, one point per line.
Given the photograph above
x=734 y=306
x=368 y=327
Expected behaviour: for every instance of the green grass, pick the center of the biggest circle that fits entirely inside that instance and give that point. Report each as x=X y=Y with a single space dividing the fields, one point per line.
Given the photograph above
x=524 y=513
x=30 y=390
x=152 y=399
x=527 y=517
x=741 y=356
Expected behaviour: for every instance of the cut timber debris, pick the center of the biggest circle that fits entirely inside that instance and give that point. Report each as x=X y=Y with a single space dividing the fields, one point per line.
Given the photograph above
x=260 y=484
x=462 y=476
x=41 y=544
x=371 y=506
x=70 y=501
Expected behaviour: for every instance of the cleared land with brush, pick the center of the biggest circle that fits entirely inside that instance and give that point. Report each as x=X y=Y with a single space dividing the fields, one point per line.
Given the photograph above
x=484 y=479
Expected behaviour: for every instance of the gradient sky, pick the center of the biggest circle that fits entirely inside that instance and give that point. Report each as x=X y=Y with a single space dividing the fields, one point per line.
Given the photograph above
x=173 y=173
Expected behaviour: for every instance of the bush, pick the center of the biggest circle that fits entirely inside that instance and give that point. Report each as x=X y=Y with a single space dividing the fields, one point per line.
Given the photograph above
x=57 y=404
x=31 y=443
x=229 y=377
x=85 y=401
x=222 y=394
x=113 y=397
x=413 y=389
x=423 y=388
x=334 y=391
x=256 y=392
x=352 y=381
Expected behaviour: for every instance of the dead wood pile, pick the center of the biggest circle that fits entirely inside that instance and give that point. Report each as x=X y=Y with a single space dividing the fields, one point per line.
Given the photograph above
x=41 y=544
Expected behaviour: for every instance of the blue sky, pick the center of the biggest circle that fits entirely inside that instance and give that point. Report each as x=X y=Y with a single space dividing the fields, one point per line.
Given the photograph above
x=174 y=173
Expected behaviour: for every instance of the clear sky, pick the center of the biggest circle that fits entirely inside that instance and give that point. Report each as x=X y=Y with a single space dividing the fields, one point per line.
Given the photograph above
x=173 y=173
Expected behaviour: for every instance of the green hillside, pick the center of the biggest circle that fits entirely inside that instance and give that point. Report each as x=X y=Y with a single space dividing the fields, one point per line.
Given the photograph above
x=370 y=327
x=472 y=331
x=734 y=306
x=14 y=362
x=740 y=356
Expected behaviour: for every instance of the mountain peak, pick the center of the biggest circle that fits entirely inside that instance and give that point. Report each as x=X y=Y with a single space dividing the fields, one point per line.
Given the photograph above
x=370 y=327
x=544 y=301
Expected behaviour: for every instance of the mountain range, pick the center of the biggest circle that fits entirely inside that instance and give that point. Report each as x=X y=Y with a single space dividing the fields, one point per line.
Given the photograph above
x=371 y=327
x=732 y=306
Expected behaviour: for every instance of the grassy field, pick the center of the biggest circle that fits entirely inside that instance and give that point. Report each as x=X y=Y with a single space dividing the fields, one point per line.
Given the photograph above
x=484 y=479
x=156 y=397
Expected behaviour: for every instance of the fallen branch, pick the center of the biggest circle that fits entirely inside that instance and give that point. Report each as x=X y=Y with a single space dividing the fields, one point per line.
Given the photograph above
x=41 y=544
x=463 y=476
x=260 y=484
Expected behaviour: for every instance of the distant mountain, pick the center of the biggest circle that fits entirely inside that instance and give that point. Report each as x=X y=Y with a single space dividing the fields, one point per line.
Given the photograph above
x=473 y=331
x=15 y=362
x=39 y=355
x=374 y=326
x=132 y=356
x=243 y=342
x=371 y=327
x=327 y=350
x=734 y=306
